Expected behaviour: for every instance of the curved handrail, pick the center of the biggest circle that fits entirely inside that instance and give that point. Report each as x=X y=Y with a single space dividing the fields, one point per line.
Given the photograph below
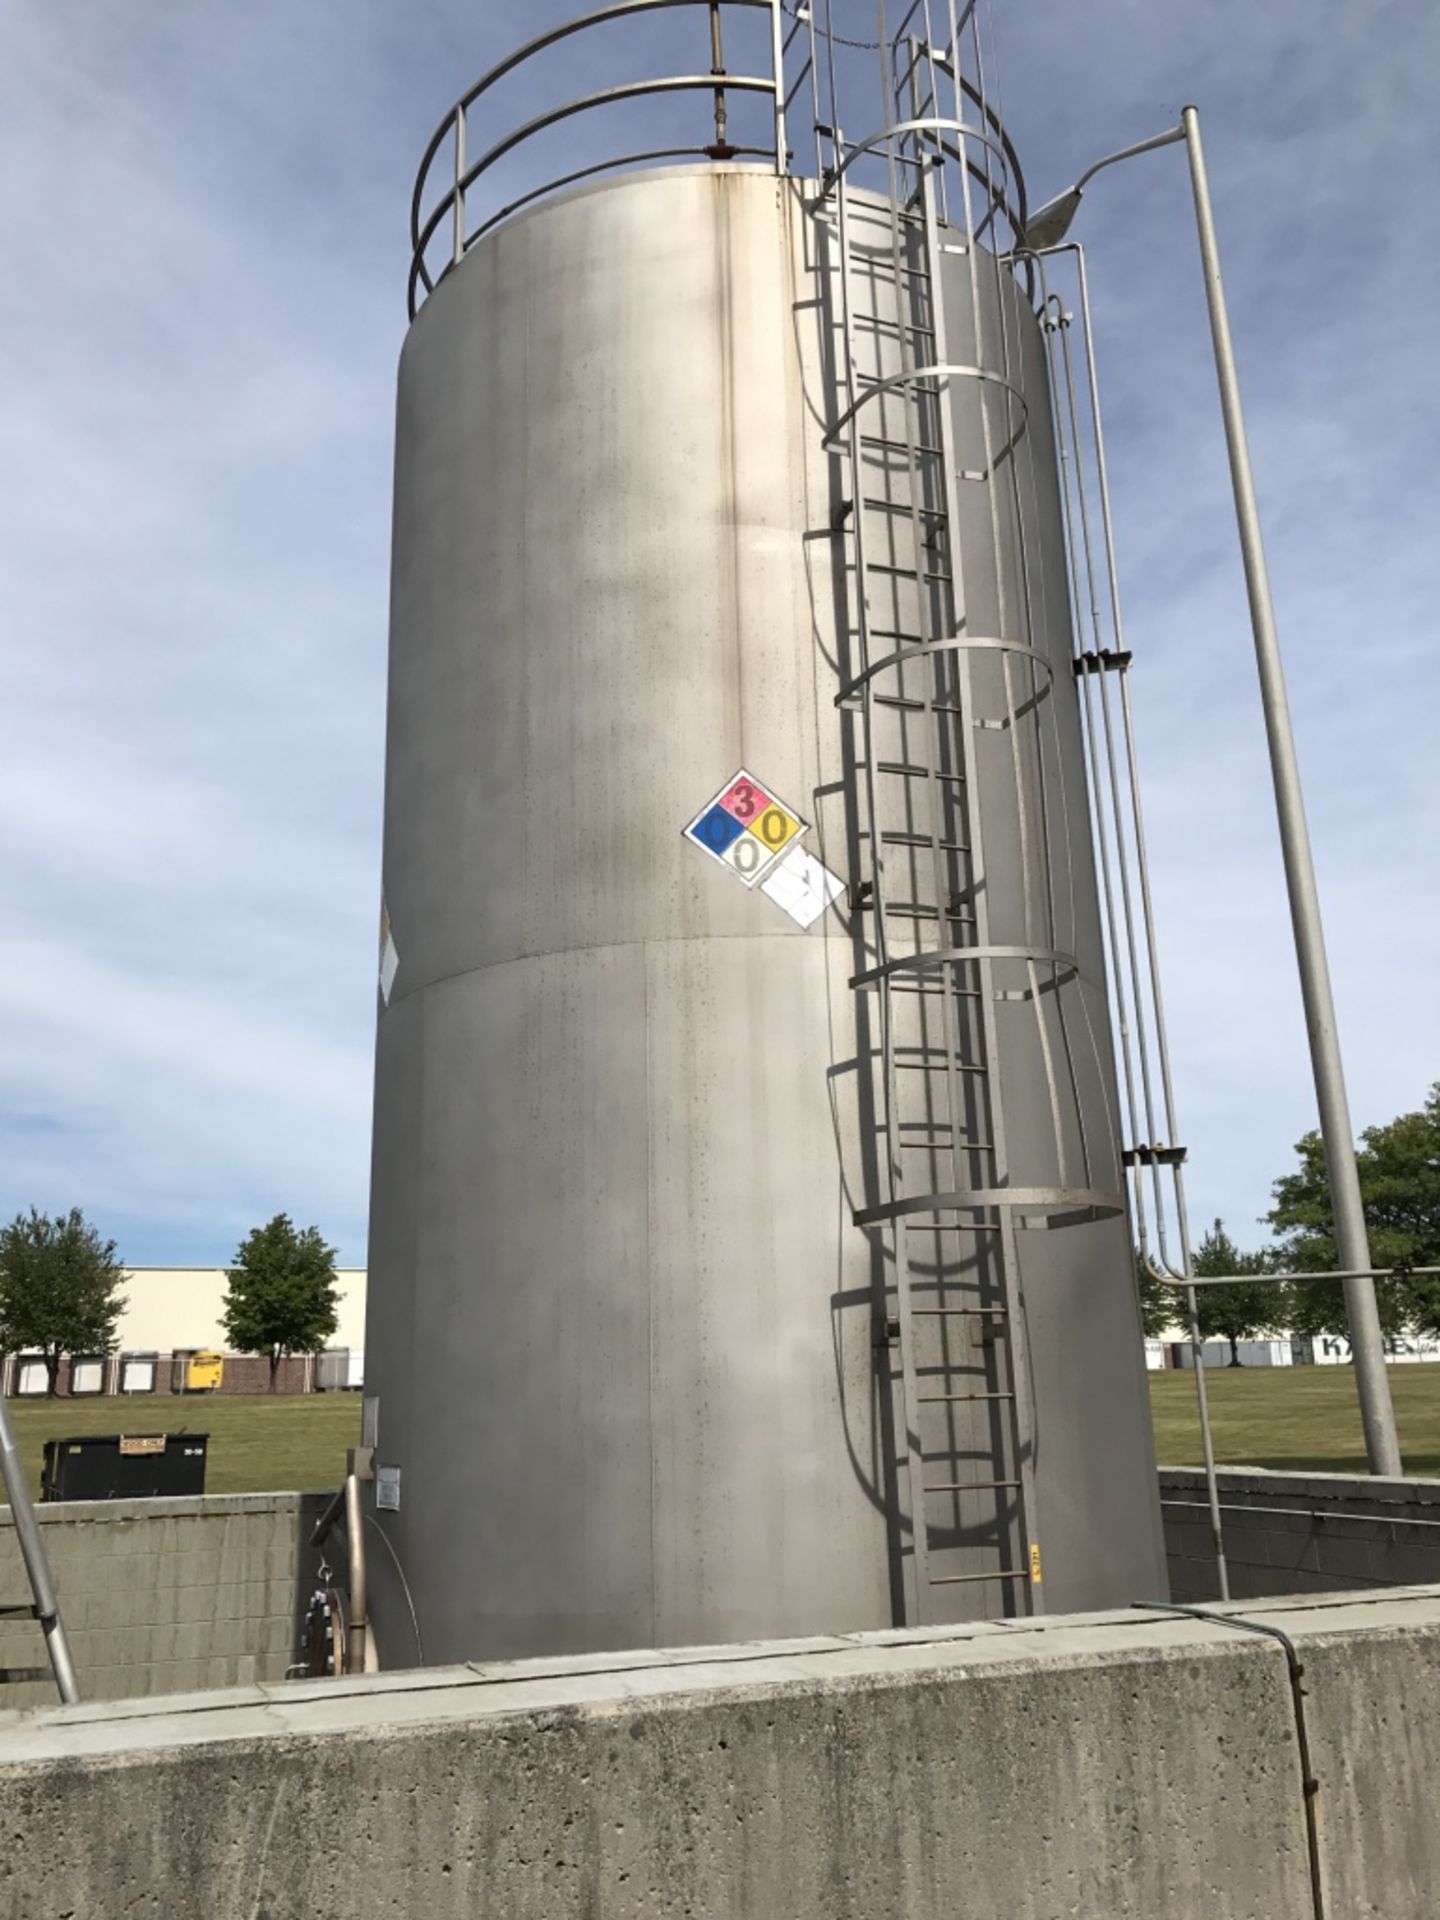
x=607 y=96
x=451 y=203
x=939 y=123
x=956 y=956
x=617 y=10
x=947 y=643
x=608 y=166
x=941 y=370
x=1069 y=1203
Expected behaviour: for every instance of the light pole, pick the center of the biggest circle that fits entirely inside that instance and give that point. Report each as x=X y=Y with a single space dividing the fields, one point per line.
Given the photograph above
x=1045 y=229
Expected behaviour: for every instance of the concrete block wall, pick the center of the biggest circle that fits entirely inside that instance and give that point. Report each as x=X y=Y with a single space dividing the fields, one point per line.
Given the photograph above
x=1121 y=1766
x=163 y=1595
x=1300 y=1533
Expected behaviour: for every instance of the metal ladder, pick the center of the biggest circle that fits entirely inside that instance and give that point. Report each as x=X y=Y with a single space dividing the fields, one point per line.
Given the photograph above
x=953 y=1278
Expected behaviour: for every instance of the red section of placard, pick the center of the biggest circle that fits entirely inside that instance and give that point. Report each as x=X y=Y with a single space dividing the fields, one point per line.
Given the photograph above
x=746 y=799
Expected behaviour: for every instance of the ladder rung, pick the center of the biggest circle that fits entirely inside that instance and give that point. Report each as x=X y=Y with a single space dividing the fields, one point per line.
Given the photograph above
x=958 y=1579
x=913 y=706
x=962 y=1145
x=970 y=1486
x=905 y=770
x=18 y=1610
x=962 y=1313
x=883 y=261
x=931 y=993
x=904 y=573
x=914 y=910
x=951 y=1226
x=938 y=1066
x=900 y=837
x=897 y=506
x=936 y=1399
x=874 y=323
x=888 y=445
x=16 y=1676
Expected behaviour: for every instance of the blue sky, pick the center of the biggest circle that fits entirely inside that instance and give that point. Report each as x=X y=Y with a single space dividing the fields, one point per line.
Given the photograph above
x=203 y=211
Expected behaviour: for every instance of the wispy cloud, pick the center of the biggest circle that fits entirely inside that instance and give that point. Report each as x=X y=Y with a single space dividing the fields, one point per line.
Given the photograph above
x=204 y=218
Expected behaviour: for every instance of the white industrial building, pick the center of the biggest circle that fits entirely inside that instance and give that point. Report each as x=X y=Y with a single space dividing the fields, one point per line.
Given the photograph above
x=173 y=1312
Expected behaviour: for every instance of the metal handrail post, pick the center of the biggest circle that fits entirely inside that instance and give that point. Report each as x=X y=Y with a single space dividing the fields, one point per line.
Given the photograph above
x=459 y=208
x=777 y=55
x=1352 y=1244
x=37 y=1565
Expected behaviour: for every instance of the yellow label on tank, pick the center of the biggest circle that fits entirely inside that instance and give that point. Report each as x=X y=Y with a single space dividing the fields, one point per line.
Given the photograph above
x=1035 y=1563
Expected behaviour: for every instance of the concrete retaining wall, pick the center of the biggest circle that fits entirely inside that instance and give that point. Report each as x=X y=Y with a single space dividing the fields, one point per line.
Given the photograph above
x=1114 y=1767
x=1300 y=1533
x=159 y=1595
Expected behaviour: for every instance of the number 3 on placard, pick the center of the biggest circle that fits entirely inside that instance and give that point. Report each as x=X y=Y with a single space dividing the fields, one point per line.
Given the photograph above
x=744 y=800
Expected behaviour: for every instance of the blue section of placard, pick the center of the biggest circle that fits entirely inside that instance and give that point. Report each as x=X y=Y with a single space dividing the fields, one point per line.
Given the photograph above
x=715 y=830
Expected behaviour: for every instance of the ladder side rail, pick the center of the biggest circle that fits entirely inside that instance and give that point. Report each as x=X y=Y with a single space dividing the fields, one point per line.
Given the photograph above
x=914 y=1438
x=1022 y=1423
x=856 y=591
x=1016 y=1343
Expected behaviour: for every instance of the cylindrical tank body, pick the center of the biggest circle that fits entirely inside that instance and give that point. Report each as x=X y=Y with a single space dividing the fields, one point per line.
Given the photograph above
x=622 y=1331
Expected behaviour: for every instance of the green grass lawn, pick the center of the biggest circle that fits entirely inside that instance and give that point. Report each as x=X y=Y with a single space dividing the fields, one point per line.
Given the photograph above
x=257 y=1444
x=1288 y=1417
x=1293 y=1418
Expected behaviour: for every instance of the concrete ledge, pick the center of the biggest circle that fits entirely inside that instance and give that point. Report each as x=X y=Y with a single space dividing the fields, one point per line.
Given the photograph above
x=190 y=1506
x=1115 y=1767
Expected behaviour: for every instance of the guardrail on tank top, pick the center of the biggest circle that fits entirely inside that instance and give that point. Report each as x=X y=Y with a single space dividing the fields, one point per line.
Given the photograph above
x=457 y=199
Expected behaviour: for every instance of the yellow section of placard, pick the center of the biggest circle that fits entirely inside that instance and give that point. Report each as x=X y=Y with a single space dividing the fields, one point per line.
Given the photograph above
x=1034 y=1563
x=775 y=828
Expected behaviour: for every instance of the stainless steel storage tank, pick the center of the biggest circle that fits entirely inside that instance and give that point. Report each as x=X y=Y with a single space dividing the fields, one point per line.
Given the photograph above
x=646 y=1379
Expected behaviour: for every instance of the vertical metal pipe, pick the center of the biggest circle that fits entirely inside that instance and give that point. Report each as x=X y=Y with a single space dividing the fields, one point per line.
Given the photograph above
x=717 y=66
x=459 y=206
x=37 y=1566
x=777 y=57
x=357 y=1633
x=1351 y=1242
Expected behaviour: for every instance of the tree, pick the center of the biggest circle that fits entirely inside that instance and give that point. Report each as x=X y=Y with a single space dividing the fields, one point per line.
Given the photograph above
x=1235 y=1313
x=59 y=1288
x=1399 y=1168
x=282 y=1293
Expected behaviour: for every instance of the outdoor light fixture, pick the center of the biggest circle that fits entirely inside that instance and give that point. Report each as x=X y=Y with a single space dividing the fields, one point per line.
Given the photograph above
x=1046 y=228
x=1049 y=224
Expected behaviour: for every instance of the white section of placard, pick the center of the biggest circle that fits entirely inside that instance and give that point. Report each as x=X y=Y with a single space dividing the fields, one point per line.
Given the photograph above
x=802 y=885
